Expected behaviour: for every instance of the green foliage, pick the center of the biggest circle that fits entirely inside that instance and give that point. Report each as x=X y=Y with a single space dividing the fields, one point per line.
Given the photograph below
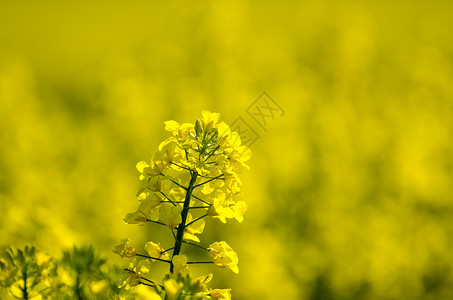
x=180 y=287
x=27 y=273
x=80 y=274
x=83 y=273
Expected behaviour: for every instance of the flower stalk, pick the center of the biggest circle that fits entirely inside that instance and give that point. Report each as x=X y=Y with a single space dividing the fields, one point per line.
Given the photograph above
x=185 y=211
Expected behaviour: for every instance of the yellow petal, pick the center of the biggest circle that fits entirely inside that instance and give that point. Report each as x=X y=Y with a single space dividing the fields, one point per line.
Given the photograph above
x=141 y=165
x=171 y=125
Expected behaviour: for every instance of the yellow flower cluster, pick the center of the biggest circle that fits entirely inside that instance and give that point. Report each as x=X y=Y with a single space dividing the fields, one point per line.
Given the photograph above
x=135 y=272
x=198 y=289
x=210 y=149
x=193 y=175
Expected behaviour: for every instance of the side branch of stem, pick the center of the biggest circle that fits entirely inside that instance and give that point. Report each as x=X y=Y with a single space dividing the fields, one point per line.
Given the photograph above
x=204 y=201
x=157 y=222
x=150 y=257
x=189 y=243
x=166 y=197
x=212 y=152
x=196 y=220
x=181 y=186
x=182 y=167
x=213 y=178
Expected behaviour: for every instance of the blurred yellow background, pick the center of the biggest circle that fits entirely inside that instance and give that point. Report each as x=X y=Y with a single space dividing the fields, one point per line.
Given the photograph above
x=349 y=192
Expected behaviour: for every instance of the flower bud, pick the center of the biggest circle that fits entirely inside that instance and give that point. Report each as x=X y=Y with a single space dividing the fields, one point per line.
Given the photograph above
x=209 y=126
x=198 y=127
x=223 y=142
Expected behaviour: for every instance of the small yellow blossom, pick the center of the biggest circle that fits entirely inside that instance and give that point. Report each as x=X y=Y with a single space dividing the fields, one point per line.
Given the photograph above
x=181 y=133
x=238 y=210
x=149 y=205
x=124 y=249
x=169 y=151
x=156 y=250
x=135 y=272
x=238 y=157
x=224 y=132
x=180 y=265
x=232 y=182
x=172 y=288
x=199 y=165
x=137 y=217
x=178 y=194
x=199 y=283
x=221 y=294
x=151 y=184
x=195 y=228
x=170 y=215
x=132 y=279
x=141 y=166
x=224 y=256
x=218 y=210
x=209 y=120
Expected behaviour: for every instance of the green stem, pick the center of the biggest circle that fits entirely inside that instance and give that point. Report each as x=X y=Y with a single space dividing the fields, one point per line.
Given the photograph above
x=157 y=222
x=24 y=290
x=152 y=282
x=185 y=211
x=181 y=186
x=182 y=167
x=202 y=146
x=212 y=152
x=198 y=198
x=204 y=176
x=78 y=288
x=196 y=220
x=147 y=284
x=159 y=259
x=189 y=243
x=213 y=178
x=167 y=198
x=168 y=249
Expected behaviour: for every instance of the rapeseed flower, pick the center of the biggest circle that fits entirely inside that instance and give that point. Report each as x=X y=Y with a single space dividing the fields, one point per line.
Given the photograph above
x=156 y=251
x=224 y=256
x=124 y=249
x=170 y=215
x=197 y=166
x=220 y=294
x=180 y=265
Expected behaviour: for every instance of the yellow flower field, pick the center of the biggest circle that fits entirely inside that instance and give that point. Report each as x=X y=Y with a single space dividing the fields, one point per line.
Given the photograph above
x=347 y=107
